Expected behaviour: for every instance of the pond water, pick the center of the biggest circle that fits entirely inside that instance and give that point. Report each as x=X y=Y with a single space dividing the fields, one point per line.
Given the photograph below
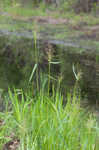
x=18 y=54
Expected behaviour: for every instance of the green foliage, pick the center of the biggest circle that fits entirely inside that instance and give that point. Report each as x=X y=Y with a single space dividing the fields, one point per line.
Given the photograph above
x=47 y=124
x=67 y=5
x=6 y=2
x=41 y=121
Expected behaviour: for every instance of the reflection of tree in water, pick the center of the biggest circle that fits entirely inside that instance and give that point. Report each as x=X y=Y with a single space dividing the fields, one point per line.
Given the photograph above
x=55 y=2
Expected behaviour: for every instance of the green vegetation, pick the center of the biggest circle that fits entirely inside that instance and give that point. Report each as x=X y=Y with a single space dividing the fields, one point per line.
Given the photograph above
x=43 y=122
x=39 y=117
x=16 y=9
x=15 y=17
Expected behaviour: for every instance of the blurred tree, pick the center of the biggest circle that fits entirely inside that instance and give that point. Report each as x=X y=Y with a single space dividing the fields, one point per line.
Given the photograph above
x=84 y=5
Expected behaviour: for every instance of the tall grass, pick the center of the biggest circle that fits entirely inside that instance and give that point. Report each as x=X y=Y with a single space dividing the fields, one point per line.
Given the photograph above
x=44 y=123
